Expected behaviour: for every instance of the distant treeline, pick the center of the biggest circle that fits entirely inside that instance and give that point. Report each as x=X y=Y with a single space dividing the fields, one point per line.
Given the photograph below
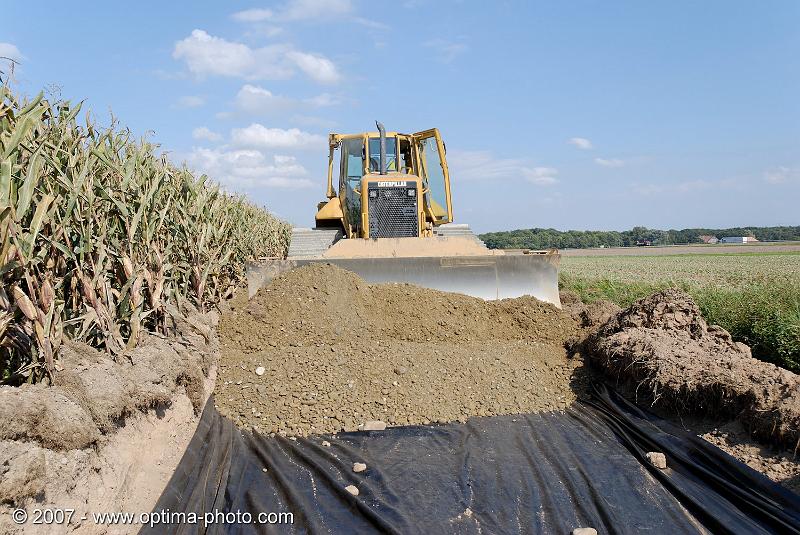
x=543 y=238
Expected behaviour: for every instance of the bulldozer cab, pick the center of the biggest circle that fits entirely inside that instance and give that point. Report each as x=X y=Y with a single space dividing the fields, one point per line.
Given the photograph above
x=405 y=193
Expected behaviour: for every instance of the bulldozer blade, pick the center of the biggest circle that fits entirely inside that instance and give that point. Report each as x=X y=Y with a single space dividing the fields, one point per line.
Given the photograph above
x=486 y=277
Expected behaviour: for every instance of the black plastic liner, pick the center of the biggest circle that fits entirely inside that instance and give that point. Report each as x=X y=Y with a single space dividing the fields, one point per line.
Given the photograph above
x=539 y=473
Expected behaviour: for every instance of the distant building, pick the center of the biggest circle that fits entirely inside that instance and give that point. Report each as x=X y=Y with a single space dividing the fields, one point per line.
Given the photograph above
x=738 y=239
x=708 y=239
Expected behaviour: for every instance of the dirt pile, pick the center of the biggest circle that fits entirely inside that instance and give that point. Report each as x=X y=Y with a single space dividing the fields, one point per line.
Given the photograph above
x=663 y=347
x=337 y=352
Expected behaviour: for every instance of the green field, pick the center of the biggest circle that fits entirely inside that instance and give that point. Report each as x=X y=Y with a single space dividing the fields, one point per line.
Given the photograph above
x=754 y=296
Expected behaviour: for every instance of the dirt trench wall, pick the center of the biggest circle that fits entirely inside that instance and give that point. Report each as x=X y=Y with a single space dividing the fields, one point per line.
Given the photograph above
x=107 y=433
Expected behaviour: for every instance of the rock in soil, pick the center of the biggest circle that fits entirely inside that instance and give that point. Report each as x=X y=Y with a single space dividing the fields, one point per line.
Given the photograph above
x=359 y=467
x=657 y=459
x=584 y=531
x=352 y=489
x=339 y=352
x=374 y=425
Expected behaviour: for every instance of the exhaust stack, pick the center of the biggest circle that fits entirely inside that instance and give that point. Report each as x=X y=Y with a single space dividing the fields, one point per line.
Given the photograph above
x=382 y=162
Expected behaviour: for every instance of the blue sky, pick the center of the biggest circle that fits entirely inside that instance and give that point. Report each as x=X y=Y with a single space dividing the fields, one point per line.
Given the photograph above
x=572 y=115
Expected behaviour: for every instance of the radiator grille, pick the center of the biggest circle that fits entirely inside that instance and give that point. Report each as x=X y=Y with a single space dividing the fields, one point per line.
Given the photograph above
x=392 y=211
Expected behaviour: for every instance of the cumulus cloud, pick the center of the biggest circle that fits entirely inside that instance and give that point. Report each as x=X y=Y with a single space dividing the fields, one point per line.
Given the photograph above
x=609 y=162
x=206 y=134
x=315 y=66
x=580 y=142
x=207 y=55
x=259 y=136
x=249 y=168
x=482 y=165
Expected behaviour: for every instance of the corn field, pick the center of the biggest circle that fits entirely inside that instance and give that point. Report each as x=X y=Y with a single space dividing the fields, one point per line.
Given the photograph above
x=101 y=236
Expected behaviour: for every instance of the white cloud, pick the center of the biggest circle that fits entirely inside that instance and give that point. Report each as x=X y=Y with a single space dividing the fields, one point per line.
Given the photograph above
x=609 y=162
x=316 y=67
x=780 y=174
x=7 y=50
x=191 y=101
x=207 y=55
x=259 y=136
x=542 y=176
x=481 y=165
x=206 y=134
x=446 y=51
x=256 y=99
x=294 y=10
x=249 y=168
x=581 y=142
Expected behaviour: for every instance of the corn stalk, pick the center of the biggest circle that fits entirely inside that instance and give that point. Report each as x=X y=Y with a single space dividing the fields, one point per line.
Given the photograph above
x=99 y=233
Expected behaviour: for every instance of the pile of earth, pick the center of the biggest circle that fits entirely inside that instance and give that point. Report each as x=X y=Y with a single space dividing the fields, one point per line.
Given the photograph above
x=665 y=352
x=320 y=351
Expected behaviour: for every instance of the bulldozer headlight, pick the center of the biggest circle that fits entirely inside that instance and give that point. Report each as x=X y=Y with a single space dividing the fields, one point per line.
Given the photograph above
x=412 y=193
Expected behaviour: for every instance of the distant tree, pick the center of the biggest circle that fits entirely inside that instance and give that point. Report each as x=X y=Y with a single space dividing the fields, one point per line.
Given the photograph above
x=541 y=238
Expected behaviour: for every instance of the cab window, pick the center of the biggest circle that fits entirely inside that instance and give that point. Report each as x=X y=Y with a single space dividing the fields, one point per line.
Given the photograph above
x=352 y=165
x=375 y=154
x=433 y=174
x=352 y=172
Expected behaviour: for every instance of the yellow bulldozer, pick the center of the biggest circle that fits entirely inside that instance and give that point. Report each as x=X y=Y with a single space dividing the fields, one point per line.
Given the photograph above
x=391 y=220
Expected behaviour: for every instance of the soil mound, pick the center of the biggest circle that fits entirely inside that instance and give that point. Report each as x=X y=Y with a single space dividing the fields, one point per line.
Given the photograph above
x=92 y=393
x=663 y=346
x=335 y=352
x=321 y=302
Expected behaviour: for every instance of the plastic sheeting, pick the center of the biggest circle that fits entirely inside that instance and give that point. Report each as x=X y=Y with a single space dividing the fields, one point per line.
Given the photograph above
x=539 y=473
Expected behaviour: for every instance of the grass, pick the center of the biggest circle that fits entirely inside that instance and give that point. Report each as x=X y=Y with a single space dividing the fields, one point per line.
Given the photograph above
x=756 y=297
